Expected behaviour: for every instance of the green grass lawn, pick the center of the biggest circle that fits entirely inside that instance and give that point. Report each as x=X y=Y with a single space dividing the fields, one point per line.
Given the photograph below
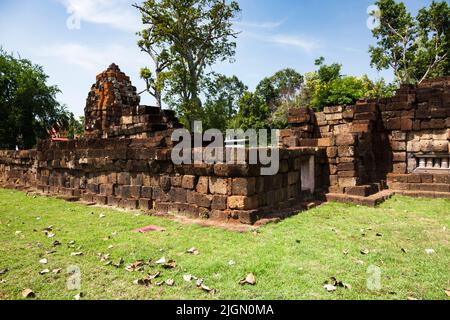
x=290 y=260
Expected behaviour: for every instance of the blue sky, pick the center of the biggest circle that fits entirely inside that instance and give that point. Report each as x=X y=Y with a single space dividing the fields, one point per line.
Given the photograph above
x=275 y=34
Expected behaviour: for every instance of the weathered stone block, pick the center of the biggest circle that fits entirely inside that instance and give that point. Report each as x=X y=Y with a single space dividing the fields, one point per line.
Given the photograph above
x=189 y=182
x=347 y=181
x=243 y=186
x=123 y=178
x=145 y=204
x=202 y=185
x=107 y=189
x=345 y=140
x=218 y=185
x=346 y=151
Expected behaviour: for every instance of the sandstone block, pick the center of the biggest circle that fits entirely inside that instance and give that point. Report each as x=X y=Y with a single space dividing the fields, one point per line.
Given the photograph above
x=218 y=185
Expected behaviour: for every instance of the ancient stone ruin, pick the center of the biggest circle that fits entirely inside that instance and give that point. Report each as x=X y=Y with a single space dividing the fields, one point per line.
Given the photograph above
x=360 y=154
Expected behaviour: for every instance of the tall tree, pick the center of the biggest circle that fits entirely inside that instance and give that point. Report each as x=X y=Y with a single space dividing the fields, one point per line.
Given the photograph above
x=221 y=104
x=414 y=48
x=253 y=113
x=433 y=56
x=197 y=34
x=158 y=52
x=28 y=105
x=280 y=92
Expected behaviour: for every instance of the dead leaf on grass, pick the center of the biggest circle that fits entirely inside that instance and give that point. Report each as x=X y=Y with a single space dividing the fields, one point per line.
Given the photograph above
x=193 y=251
x=3 y=271
x=28 y=293
x=365 y=251
x=56 y=243
x=207 y=289
x=76 y=254
x=170 y=282
x=249 y=279
x=142 y=282
x=45 y=271
x=56 y=271
x=187 y=277
x=430 y=251
x=330 y=288
x=447 y=292
x=119 y=264
x=404 y=250
x=43 y=261
x=135 y=266
x=78 y=296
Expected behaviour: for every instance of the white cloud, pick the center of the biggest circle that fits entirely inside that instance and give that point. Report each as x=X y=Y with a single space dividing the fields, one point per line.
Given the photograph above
x=118 y=14
x=94 y=60
x=304 y=44
x=260 y=25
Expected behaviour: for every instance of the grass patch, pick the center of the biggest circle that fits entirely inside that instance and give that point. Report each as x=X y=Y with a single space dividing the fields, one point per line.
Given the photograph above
x=291 y=260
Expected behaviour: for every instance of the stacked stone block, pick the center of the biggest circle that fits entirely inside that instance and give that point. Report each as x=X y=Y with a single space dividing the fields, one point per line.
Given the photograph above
x=113 y=110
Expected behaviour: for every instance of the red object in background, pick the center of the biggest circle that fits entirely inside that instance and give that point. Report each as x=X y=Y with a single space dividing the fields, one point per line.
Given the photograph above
x=60 y=139
x=149 y=229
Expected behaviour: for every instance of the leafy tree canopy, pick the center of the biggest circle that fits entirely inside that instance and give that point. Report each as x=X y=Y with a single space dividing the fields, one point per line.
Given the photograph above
x=415 y=48
x=28 y=105
x=184 y=37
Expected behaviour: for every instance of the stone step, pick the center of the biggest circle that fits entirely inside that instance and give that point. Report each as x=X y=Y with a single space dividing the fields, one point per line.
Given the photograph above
x=370 y=201
x=424 y=194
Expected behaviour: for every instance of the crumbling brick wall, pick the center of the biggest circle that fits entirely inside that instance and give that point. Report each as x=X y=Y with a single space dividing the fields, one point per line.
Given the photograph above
x=133 y=174
x=378 y=142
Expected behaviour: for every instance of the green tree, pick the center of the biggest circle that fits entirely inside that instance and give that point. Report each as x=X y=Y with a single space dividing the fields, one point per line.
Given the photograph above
x=192 y=34
x=327 y=87
x=253 y=113
x=280 y=92
x=28 y=105
x=414 y=48
x=222 y=96
x=75 y=127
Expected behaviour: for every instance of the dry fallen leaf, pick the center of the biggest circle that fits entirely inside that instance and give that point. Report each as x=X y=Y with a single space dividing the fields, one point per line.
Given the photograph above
x=50 y=235
x=193 y=251
x=3 y=271
x=412 y=299
x=154 y=276
x=170 y=282
x=404 y=250
x=171 y=264
x=118 y=264
x=43 y=261
x=345 y=252
x=365 y=251
x=250 y=279
x=231 y=263
x=78 y=296
x=161 y=261
x=56 y=243
x=76 y=254
x=136 y=266
x=44 y=271
x=447 y=292
x=430 y=251
x=143 y=282
x=187 y=277
x=56 y=271
x=28 y=293
x=207 y=289
x=330 y=288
